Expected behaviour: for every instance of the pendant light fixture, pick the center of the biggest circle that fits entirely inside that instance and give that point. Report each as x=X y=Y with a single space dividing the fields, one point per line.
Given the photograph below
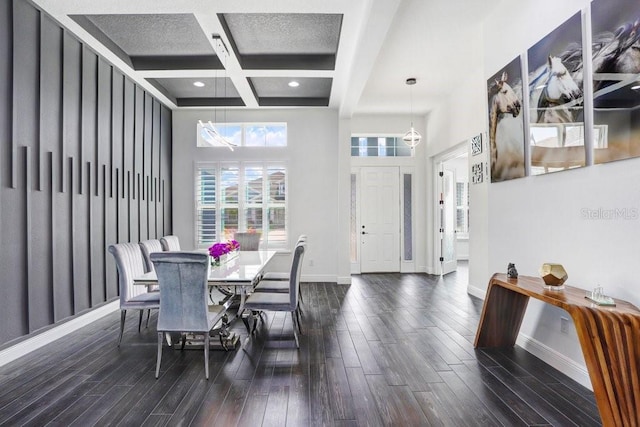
x=413 y=137
x=209 y=131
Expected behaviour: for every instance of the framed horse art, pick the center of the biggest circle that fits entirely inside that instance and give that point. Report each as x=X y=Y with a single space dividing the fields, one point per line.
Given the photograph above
x=506 y=124
x=556 y=100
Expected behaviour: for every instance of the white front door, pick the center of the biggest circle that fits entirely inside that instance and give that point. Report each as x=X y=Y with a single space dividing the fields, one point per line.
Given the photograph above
x=379 y=230
x=448 y=255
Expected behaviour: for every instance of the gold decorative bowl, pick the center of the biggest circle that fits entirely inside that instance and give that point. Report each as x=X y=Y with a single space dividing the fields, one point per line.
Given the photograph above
x=554 y=275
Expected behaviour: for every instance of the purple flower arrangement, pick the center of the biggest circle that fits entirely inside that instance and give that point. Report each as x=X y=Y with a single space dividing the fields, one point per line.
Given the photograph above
x=219 y=249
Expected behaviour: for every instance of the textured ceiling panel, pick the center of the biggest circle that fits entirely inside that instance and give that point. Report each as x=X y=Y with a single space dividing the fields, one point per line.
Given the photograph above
x=154 y=35
x=221 y=87
x=284 y=34
x=278 y=87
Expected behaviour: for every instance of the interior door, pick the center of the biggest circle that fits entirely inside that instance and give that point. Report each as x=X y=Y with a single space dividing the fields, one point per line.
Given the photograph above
x=380 y=219
x=448 y=252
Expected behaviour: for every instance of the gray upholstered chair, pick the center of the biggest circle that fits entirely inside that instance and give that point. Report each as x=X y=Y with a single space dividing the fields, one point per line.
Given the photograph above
x=248 y=241
x=148 y=247
x=170 y=243
x=275 y=281
x=182 y=277
x=130 y=264
x=276 y=301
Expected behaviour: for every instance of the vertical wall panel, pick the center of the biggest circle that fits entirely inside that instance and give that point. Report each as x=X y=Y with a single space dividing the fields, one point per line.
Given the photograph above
x=26 y=81
x=165 y=169
x=138 y=166
x=128 y=152
x=71 y=106
x=116 y=142
x=93 y=168
x=14 y=316
x=6 y=88
x=41 y=298
x=62 y=252
x=88 y=152
x=39 y=235
x=113 y=207
x=7 y=325
x=146 y=167
x=138 y=136
x=51 y=39
x=155 y=169
x=98 y=227
x=80 y=231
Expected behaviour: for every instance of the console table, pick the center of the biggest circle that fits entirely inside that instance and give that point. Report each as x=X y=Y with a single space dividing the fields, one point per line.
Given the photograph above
x=609 y=337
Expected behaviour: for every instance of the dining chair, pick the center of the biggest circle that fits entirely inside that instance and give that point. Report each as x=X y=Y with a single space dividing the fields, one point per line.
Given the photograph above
x=282 y=275
x=275 y=281
x=277 y=301
x=130 y=264
x=248 y=241
x=170 y=243
x=148 y=247
x=182 y=277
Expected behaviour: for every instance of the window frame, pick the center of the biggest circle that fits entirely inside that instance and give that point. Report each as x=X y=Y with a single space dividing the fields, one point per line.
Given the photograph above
x=242 y=204
x=244 y=126
x=398 y=146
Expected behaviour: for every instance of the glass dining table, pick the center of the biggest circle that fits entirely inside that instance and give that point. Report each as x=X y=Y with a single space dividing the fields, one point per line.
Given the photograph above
x=233 y=279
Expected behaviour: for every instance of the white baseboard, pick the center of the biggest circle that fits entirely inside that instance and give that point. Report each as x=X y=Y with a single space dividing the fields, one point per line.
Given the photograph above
x=22 y=348
x=476 y=292
x=344 y=280
x=428 y=269
x=569 y=367
x=319 y=278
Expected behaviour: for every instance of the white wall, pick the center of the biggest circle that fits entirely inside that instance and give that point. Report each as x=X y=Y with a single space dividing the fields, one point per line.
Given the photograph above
x=542 y=218
x=461 y=117
x=312 y=157
x=393 y=125
x=461 y=166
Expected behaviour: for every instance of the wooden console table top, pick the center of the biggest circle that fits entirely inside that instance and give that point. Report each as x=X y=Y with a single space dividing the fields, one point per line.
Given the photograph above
x=609 y=337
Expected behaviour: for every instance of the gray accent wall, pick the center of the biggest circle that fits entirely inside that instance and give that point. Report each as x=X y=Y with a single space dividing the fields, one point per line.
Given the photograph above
x=85 y=161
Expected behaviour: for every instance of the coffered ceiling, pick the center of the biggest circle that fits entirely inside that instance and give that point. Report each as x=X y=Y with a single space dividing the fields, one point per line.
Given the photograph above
x=353 y=56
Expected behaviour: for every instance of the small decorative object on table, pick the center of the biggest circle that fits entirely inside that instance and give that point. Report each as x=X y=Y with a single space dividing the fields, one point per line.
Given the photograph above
x=512 y=273
x=598 y=297
x=220 y=250
x=554 y=276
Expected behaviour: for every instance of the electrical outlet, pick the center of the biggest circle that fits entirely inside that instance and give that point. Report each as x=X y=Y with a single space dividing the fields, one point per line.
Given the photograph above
x=564 y=324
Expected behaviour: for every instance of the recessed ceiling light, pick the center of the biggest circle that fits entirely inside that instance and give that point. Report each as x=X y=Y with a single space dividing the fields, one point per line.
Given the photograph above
x=636 y=87
x=293 y=83
x=198 y=84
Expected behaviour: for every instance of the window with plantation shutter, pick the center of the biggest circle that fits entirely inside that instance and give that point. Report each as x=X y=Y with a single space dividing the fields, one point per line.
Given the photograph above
x=206 y=202
x=241 y=196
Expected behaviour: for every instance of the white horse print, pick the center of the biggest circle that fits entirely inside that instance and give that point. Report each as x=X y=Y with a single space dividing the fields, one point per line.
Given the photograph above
x=505 y=130
x=612 y=52
x=554 y=95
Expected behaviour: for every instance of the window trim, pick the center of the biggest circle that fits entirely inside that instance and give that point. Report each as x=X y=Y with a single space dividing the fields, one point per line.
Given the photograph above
x=243 y=133
x=399 y=144
x=242 y=204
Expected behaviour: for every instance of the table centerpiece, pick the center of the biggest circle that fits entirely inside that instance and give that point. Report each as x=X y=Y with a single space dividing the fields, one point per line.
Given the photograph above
x=222 y=252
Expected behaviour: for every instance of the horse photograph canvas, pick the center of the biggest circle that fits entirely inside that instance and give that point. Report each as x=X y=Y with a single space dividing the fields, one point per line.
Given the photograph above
x=556 y=118
x=506 y=123
x=615 y=27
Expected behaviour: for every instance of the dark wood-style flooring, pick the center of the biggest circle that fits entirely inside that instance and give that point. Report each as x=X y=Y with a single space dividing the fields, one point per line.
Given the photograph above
x=389 y=349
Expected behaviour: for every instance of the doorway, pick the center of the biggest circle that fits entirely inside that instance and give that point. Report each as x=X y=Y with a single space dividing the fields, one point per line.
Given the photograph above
x=379 y=232
x=452 y=208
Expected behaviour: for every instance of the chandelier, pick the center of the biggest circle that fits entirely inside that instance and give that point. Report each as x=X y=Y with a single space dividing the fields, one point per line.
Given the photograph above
x=413 y=137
